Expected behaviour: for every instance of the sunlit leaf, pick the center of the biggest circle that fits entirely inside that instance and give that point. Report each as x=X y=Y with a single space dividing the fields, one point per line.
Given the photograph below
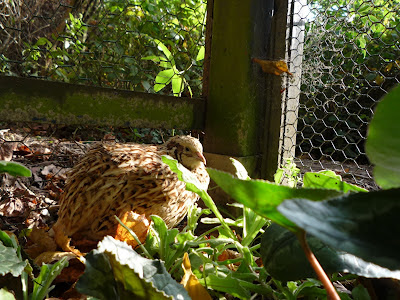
x=383 y=142
x=264 y=197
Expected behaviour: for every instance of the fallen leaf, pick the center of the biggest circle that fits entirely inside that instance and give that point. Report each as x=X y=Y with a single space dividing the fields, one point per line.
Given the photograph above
x=190 y=282
x=39 y=242
x=7 y=150
x=276 y=67
x=139 y=224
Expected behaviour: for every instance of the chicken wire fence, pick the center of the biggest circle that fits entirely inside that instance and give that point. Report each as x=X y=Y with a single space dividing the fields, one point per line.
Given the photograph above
x=147 y=46
x=348 y=55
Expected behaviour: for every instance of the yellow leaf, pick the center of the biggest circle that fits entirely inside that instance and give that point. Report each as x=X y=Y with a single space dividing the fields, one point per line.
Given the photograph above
x=192 y=285
x=139 y=224
x=276 y=67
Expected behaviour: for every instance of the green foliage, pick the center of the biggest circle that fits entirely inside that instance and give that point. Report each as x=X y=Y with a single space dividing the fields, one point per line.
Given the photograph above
x=12 y=262
x=383 y=144
x=14 y=169
x=112 y=44
x=116 y=271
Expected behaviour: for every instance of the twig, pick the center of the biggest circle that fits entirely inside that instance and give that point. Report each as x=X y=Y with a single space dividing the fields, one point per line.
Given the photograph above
x=330 y=290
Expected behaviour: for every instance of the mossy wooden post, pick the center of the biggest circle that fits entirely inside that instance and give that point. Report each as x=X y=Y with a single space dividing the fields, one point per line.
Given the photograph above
x=243 y=104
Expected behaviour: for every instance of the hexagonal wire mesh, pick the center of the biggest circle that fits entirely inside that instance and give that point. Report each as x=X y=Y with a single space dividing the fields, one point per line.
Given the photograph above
x=150 y=46
x=348 y=55
x=112 y=43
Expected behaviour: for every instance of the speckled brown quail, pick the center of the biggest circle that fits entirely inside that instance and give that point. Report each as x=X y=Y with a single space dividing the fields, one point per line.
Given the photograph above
x=112 y=179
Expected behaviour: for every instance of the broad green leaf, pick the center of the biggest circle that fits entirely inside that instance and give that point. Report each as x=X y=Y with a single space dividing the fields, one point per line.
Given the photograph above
x=201 y=53
x=329 y=180
x=14 y=169
x=6 y=295
x=263 y=197
x=42 y=284
x=163 y=78
x=177 y=85
x=10 y=262
x=116 y=271
x=383 y=141
x=362 y=224
x=284 y=258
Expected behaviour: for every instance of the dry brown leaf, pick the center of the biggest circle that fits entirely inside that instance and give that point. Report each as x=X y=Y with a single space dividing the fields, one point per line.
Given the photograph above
x=276 y=67
x=52 y=257
x=39 y=242
x=7 y=150
x=139 y=224
x=63 y=241
x=190 y=282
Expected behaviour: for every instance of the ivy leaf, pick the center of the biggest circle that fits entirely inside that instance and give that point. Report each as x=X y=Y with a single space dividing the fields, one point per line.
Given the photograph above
x=14 y=169
x=284 y=258
x=116 y=271
x=383 y=141
x=362 y=224
x=263 y=197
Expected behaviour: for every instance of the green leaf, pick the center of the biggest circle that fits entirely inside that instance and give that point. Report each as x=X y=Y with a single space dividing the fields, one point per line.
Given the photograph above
x=116 y=271
x=163 y=78
x=201 y=53
x=48 y=273
x=360 y=293
x=284 y=258
x=228 y=285
x=10 y=262
x=263 y=197
x=6 y=295
x=41 y=41
x=165 y=63
x=241 y=171
x=177 y=85
x=362 y=224
x=329 y=180
x=166 y=52
x=192 y=183
x=14 y=169
x=383 y=141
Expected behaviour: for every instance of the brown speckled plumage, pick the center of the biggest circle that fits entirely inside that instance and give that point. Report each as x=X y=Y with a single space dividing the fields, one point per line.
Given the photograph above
x=113 y=178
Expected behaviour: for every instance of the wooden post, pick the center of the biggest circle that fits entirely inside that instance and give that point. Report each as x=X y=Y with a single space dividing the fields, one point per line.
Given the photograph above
x=243 y=104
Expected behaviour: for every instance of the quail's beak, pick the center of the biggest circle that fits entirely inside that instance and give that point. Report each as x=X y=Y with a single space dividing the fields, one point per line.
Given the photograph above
x=201 y=157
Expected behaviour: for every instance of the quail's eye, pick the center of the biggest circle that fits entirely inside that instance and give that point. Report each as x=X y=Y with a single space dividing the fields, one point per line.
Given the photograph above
x=187 y=149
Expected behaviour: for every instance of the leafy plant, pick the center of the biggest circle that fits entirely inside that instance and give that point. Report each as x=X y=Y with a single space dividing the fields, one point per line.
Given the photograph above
x=13 y=263
x=342 y=221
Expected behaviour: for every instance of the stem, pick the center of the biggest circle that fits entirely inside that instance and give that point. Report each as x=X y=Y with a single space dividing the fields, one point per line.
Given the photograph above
x=330 y=290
